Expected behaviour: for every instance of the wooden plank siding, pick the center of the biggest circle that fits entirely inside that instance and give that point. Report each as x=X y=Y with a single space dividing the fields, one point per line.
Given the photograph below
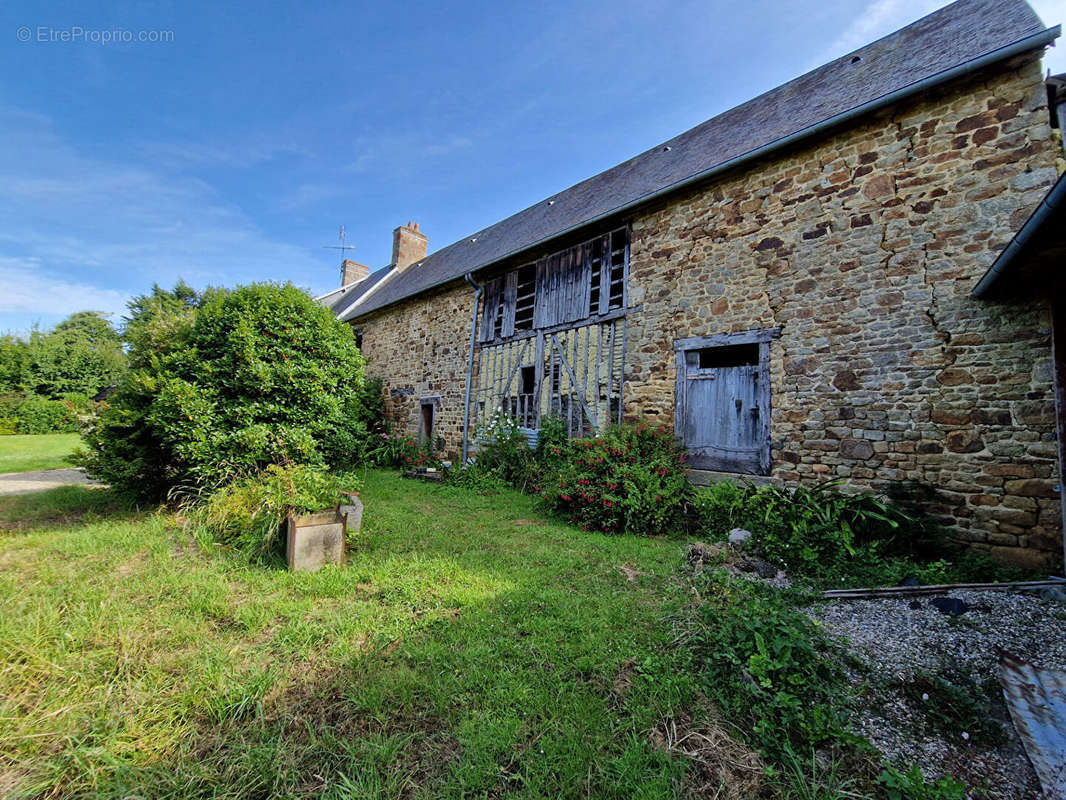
x=563 y=317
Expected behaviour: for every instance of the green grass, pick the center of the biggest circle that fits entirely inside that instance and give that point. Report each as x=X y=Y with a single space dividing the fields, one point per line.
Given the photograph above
x=470 y=649
x=25 y=453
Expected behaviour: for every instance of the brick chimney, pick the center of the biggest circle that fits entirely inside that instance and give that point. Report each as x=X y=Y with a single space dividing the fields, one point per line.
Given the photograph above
x=353 y=272
x=408 y=246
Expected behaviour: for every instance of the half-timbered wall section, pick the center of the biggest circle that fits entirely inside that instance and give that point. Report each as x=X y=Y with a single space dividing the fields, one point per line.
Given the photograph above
x=804 y=317
x=551 y=338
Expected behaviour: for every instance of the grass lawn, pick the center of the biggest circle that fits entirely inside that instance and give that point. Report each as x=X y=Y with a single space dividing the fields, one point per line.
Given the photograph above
x=471 y=648
x=24 y=453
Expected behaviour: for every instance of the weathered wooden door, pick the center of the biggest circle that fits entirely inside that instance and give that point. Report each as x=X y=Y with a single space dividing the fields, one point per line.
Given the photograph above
x=723 y=408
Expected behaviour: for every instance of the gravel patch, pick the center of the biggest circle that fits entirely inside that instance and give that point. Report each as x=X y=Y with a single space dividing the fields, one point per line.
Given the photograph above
x=898 y=639
x=42 y=480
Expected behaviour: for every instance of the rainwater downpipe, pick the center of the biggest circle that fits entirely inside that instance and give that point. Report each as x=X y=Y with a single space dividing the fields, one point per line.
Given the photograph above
x=470 y=367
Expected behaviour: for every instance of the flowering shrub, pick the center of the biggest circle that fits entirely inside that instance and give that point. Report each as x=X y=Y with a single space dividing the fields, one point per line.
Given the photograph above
x=630 y=479
x=398 y=450
x=415 y=454
x=503 y=453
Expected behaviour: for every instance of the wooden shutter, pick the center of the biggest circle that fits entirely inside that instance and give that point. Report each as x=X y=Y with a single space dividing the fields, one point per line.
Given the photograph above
x=575 y=268
x=540 y=306
x=490 y=309
x=510 y=295
x=550 y=283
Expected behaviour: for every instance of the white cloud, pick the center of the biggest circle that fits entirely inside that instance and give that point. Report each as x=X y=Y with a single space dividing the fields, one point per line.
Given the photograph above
x=78 y=226
x=28 y=290
x=257 y=148
x=402 y=153
x=308 y=194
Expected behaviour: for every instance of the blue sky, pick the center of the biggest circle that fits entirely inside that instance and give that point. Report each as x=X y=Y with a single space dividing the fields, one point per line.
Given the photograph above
x=234 y=151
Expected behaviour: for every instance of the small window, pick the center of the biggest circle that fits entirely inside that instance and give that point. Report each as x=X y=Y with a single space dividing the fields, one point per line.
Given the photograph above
x=737 y=355
x=359 y=340
x=525 y=298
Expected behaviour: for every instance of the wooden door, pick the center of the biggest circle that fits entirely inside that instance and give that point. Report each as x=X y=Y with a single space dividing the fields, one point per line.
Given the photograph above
x=723 y=407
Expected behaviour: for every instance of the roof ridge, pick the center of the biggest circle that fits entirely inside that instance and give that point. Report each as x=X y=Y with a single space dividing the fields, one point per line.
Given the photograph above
x=949 y=40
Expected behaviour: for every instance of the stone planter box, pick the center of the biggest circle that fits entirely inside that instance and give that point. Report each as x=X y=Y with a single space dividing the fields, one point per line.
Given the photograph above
x=314 y=540
x=430 y=474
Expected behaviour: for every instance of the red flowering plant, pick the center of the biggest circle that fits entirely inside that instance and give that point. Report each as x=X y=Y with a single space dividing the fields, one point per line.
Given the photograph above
x=630 y=479
x=399 y=450
x=414 y=454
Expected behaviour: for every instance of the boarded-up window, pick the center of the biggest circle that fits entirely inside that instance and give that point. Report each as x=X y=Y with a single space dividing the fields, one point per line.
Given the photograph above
x=563 y=287
x=582 y=281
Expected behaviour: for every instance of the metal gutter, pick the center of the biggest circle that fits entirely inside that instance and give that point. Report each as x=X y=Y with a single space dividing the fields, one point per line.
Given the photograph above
x=1048 y=205
x=1041 y=39
x=470 y=366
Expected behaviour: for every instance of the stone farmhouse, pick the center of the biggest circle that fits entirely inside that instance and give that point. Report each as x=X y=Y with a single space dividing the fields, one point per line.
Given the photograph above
x=851 y=275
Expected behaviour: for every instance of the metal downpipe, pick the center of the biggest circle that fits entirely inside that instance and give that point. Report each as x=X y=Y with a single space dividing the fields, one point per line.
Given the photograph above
x=470 y=367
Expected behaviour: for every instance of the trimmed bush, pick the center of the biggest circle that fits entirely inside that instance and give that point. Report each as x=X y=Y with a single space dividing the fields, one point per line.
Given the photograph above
x=631 y=479
x=257 y=376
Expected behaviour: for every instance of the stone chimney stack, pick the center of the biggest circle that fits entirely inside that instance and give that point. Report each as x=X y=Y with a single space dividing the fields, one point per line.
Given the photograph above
x=353 y=272
x=408 y=246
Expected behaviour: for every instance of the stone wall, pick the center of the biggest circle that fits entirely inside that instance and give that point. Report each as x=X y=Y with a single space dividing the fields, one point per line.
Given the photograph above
x=419 y=347
x=864 y=249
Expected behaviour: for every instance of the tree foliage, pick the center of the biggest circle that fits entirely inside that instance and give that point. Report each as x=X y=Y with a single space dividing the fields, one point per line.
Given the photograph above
x=223 y=385
x=82 y=354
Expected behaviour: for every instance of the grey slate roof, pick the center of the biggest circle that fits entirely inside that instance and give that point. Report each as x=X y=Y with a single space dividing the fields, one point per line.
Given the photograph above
x=946 y=40
x=340 y=303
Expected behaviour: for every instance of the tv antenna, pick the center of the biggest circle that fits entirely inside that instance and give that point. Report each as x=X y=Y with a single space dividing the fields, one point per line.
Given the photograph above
x=342 y=247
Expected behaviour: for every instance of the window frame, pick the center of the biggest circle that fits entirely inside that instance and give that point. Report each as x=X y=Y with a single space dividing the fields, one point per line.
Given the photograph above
x=565 y=286
x=759 y=337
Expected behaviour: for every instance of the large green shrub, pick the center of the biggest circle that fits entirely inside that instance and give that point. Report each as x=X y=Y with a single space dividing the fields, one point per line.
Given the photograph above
x=14 y=352
x=82 y=354
x=41 y=415
x=248 y=514
x=257 y=376
x=630 y=479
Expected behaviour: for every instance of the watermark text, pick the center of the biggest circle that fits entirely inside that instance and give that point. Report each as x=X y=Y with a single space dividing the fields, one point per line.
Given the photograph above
x=76 y=34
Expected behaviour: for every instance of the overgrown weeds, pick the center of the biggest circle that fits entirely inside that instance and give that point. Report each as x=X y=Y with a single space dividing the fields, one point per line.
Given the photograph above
x=769 y=665
x=248 y=515
x=829 y=537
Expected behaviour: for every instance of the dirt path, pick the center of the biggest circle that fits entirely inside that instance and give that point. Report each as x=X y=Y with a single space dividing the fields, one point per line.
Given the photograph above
x=29 y=482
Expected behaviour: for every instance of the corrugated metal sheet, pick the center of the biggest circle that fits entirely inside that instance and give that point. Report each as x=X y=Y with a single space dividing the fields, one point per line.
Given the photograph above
x=1036 y=698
